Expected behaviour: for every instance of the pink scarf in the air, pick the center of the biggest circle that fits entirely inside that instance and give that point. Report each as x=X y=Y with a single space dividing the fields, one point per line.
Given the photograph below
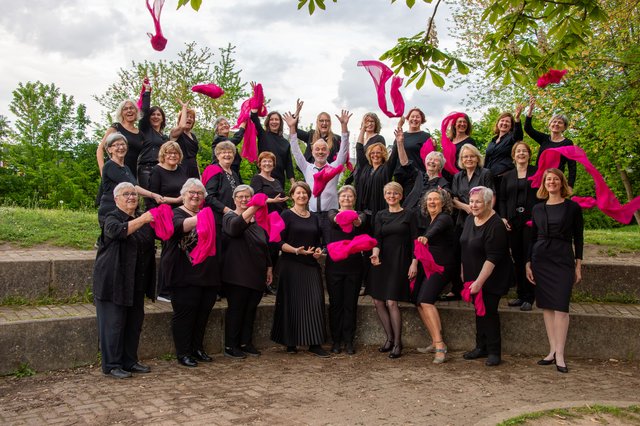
x=477 y=301
x=162 y=221
x=340 y=250
x=210 y=90
x=423 y=254
x=323 y=177
x=158 y=42
x=270 y=222
x=552 y=77
x=605 y=199
x=206 y=230
x=380 y=74
x=448 y=147
x=142 y=90
x=249 y=146
x=345 y=220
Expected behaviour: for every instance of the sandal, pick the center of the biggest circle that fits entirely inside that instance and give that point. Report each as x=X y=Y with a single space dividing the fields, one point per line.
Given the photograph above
x=440 y=359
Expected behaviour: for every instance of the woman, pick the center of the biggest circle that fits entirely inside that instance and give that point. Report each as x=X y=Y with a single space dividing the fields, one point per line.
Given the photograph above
x=553 y=266
x=127 y=116
x=393 y=266
x=187 y=140
x=194 y=288
x=272 y=140
x=221 y=134
x=168 y=176
x=114 y=172
x=486 y=263
x=123 y=273
x=440 y=235
x=508 y=130
x=344 y=277
x=557 y=126
x=299 y=314
x=322 y=131
x=459 y=133
x=369 y=135
x=516 y=200
x=247 y=271
x=414 y=138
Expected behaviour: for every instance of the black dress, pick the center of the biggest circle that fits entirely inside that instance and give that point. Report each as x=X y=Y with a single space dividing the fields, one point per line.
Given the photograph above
x=369 y=182
x=278 y=146
x=167 y=183
x=555 y=228
x=271 y=188
x=462 y=184
x=545 y=142
x=153 y=140
x=299 y=314
x=413 y=142
x=498 y=155
x=134 y=146
x=189 y=147
x=112 y=175
x=395 y=233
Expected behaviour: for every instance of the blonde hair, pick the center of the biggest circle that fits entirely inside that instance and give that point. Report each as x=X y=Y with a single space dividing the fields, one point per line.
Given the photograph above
x=168 y=146
x=393 y=186
x=316 y=133
x=474 y=151
x=385 y=153
x=565 y=191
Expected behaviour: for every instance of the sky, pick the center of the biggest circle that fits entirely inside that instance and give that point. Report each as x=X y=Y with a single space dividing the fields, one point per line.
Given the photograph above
x=80 y=46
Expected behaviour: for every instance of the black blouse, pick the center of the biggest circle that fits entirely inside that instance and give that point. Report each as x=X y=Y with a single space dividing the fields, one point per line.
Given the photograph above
x=413 y=144
x=135 y=141
x=235 y=139
x=271 y=188
x=220 y=193
x=370 y=182
x=152 y=140
x=545 y=142
x=278 y=146
x=189 y=147
x=498 y=156
x=461 y=186
x=441 y=235
x=301 y=232
x=352 y=264
x=571 y=226
x=167 y=183
x=517 y=194
x=112 y=175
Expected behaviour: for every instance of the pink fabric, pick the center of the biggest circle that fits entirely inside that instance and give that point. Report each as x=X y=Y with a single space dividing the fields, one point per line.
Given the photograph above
x=210 y=90
x=249 y=145
x=158 y=42
x=553 y=76
x=605 y=199
x=412 y=285
x=477 y=301
x=529 y=223
x=162 y=221
x=423 y=254
x=323 y=177
x=448 y=147
x=270 y=222
x=340 y=250
x=142 y=90
x=381 y=74
x=426 y=149
x=345 y=220
x=206 y=230
x=210 y=171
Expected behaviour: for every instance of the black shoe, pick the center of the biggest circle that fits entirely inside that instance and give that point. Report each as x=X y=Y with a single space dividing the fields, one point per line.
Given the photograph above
x=526 y=306
x=318 y=351
x=250 y=350
x=336 y=348
x=187 y=361
x=450 y=297
x=396 y=352
x=492 y=360
x=139 y=368
x=201 y=355
x=475 y=354
x=349 y=349
x=515 y=302
x=388 y=345
x=292 y=350
x=119 y=373
x=562 y=369
x=547 y=361
x=234 y=353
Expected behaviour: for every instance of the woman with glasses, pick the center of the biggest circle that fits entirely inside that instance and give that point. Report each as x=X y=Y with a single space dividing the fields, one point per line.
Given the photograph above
x=222 y=129
x=168 y=176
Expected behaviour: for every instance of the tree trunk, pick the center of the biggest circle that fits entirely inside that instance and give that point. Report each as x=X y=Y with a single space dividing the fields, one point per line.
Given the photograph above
x=627 y=187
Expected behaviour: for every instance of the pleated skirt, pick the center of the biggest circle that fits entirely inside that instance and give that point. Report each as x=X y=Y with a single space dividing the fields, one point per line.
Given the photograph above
x=298 y=319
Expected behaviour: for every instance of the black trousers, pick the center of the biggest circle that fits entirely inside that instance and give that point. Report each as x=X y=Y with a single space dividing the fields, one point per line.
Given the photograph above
x=325 y=225
x=119 y=328
x=488 y=326
x=456 y=280
x=519 y=240
x=241 y=314
x=191 y=309
x=144 y=175
x=343 y=289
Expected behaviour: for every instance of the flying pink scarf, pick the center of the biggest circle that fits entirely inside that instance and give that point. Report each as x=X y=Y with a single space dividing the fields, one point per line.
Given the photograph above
x=426 y=149
x=380 y=74
x=323 y=177
x=270 y=222
x=552 y=77
x=158 y=42
x=477 y=301
x=423 y=254
x=249 y=147
x=162 y=221
x=142 y=90
x=206 y=230
x=605 y=199
x=448 y=147
x=340 y=250
x=210 y=90
x=345 y=220
x=210 y=171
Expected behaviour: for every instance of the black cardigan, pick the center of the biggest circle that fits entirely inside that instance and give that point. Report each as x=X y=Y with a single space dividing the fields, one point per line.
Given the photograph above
x=508 y=194
x=572 y=227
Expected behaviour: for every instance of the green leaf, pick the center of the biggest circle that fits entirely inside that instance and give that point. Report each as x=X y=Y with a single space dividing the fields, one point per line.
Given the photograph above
x=436 y=78
x=462 y=67
x=301 y=3
x=181 y=3
x=420 y=82
x=321 y=4
x=312 y=7
x=195 y=4
x=410 y=3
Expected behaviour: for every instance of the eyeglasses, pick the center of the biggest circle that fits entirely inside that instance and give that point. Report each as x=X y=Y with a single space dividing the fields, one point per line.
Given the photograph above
x=118 y=144
x=172 y=154
x=196 y=193
x=129 y=194
x=468 y=157
x=324 y=121
x=130 y=108
x=243 y=197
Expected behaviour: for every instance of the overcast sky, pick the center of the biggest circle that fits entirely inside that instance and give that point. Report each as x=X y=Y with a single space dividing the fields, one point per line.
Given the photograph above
x=79 y=46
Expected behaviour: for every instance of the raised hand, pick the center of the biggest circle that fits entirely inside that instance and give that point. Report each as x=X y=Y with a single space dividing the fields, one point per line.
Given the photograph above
x=299 y=104
x=290 y=120
x=344 y=116
x=532 y=104
x=399 y=136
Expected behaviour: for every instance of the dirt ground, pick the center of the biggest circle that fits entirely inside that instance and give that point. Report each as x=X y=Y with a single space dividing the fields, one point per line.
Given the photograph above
x=277 y=388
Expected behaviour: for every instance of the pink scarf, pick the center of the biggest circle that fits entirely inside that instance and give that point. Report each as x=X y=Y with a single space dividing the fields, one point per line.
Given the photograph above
x=552 y=77
x=423 y=254
x=448 y=147
x=323 y=177
x=270 y=222
x=605 y=199
x=249 y=147
x=142 y=90
x=426 y=149
x=210 y=171
x=345 y=220
x=340 y=250
x=210 y=90
x=380 y=74
x=158 y=42
x=162 y=221
x=206 y=230
x=477 y=300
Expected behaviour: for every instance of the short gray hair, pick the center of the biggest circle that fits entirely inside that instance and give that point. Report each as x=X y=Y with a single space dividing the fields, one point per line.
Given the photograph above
x=347 y=188
x=436 y=154
x=192 y=182
x=475 y=151
x=218 y=120
x=486 y=193
x=117 y=114
x=225 y=146
x=122 y=185
x=114 y=137
x=243 y=188
x=562 y=117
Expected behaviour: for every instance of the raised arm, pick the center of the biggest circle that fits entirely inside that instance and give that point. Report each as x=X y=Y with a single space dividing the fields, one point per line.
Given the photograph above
x=101 y=150
x=344 y=142
x=182 y=125
x=293 y=142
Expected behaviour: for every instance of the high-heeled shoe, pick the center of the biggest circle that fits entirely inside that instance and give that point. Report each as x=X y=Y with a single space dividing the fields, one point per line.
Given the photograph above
x=396 y=352
x=386 y=347
x=562 y=369
x=547 y=361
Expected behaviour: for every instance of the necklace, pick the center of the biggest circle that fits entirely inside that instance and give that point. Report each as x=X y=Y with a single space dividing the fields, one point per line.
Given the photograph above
x=189 y=210
x=303 y=214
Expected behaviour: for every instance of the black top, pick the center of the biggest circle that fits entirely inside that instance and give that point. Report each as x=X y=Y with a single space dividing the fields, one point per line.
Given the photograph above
x=375 y=139
x=545 y=143
x=487 y=242
x=413 y=144
x=112 y=175
x=175 y=263
x=517 y=197
x=220 y=193
x=125 y=264
x=271 y=188
x=167 y=183
x=300 y=232
x=369 y=182
x=235 y=139
x=469 y=140
x=352 y=264
x=134 y=146
x=498 y=156
x=416 y=183
x=442 y=238
x=278 y=146
x=306 y=137
x=570 y=228
x=189 y=147
x=246 y=253
x=152 y=140
x=462 y=184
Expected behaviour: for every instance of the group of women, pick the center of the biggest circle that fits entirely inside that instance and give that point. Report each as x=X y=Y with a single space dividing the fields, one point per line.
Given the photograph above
x=452 y=216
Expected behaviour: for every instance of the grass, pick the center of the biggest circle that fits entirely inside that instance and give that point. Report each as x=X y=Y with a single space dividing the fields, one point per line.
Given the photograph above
x=594 y=411
x=81 y=297
x=23 y=371
x=625 y=239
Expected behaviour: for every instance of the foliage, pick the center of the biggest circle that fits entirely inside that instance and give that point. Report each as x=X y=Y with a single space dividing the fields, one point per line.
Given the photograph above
x=593 y=411
x=23 y=370
x=626 y=238
x=85 y=296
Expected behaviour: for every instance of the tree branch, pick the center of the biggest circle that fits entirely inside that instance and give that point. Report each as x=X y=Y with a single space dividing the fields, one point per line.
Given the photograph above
x=433 y=15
